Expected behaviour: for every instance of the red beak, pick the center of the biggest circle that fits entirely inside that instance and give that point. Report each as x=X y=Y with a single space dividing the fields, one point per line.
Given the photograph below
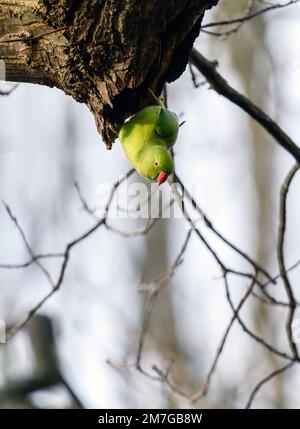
x=161 y=178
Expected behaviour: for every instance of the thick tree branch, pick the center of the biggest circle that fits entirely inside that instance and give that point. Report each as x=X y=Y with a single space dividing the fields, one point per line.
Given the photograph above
x=105 y=54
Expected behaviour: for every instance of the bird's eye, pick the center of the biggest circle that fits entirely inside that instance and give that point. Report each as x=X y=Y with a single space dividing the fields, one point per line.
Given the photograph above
x=156 y=163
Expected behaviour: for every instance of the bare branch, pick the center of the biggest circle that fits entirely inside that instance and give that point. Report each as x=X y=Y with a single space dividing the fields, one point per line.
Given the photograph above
x=66 y=256
x=255 y=337
x=35 y=260
x=265 y=380
x=199 y=395
x=6 y=92
x=243 y=19
x=30 y=261
x=209 y=224
x=220 y=85
x=281 y=259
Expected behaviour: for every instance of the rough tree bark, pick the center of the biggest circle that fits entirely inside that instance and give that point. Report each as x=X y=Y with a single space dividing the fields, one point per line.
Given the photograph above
x=104 y=53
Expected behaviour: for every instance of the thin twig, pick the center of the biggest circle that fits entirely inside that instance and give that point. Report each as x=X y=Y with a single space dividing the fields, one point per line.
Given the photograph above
x=265 y=380
x=209 y=224
x=243 y=19
x=66 y=257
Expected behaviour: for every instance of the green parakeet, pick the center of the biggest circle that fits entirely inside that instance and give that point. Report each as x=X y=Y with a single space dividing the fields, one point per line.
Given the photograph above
x=146 y=139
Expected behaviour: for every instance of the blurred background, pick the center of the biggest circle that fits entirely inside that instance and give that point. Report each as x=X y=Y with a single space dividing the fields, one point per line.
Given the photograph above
x=48 y=141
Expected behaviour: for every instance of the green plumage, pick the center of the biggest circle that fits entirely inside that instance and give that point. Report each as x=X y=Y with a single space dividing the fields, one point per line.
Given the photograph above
x=146 y=139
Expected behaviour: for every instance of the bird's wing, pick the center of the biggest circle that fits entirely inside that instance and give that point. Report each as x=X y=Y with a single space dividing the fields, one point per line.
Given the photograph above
x=167 y=126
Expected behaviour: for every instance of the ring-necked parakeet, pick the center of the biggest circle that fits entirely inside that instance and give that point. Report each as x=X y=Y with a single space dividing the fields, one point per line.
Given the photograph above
x=146 y=139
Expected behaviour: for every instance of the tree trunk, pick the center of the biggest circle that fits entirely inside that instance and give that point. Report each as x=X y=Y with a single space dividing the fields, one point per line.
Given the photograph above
x=104 y=53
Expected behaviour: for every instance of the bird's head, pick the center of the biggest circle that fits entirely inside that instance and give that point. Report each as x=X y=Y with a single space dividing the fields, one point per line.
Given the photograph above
x=156 y=164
